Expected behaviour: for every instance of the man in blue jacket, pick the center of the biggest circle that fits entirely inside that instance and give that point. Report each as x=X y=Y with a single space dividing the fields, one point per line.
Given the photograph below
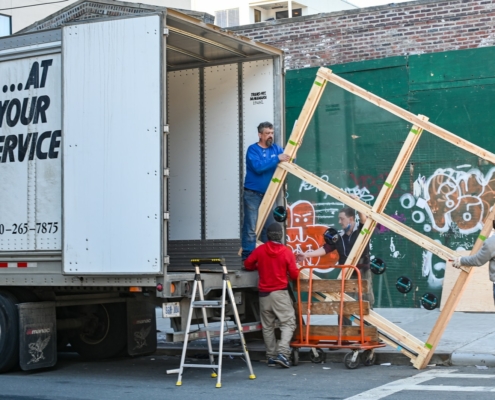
x=261 y=162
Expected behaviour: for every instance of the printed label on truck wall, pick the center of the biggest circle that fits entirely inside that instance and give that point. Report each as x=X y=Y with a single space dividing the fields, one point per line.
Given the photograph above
x=30 y=159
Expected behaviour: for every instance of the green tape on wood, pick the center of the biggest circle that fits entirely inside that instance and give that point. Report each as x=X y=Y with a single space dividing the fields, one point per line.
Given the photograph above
x=389 y=185
x=415 y=131
x=428 y=346
x=276 y=180
x=318 y=83
x=482 y=237
x=292 y=143
x=366 y=231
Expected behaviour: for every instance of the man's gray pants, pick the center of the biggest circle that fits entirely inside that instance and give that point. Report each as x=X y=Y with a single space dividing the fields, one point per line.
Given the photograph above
x=277 y=305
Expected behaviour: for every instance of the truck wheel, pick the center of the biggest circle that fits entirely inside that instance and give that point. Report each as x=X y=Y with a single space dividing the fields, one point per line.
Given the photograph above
x=9 y=332
x=104 y=333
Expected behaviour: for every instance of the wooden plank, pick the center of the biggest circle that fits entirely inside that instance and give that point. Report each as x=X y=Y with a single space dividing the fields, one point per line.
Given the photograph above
x=328 y=332
x=387 y=221
x=333 y=285
x=478 y=295
x=333 y=307
x=291 y=148
x=404 y=114
x=386 y=191
x=454 y=298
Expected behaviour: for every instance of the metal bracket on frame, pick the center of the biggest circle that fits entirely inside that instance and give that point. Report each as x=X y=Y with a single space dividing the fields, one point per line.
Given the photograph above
x=165 y=31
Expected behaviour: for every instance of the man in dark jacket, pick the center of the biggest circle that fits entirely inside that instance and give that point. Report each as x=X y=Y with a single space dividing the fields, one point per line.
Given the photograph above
x=275 y=264
x=343 y=244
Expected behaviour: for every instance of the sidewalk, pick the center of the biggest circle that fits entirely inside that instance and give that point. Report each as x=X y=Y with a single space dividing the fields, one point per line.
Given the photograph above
x=468 y=340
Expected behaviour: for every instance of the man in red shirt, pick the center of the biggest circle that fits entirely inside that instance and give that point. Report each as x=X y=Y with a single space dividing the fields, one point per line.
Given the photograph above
x=275 y=263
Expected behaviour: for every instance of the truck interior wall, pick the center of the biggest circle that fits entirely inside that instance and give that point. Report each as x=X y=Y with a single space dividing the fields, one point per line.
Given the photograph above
x=444 y=191
x=213 y=114
x=221 y=105
x=184 y=153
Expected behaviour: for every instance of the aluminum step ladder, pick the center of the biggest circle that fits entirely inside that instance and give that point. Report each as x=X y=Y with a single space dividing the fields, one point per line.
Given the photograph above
x=204 y=304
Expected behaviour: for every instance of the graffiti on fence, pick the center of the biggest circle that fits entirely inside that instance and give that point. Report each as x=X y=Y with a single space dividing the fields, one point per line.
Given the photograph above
x=304 y=235
x=451 y=197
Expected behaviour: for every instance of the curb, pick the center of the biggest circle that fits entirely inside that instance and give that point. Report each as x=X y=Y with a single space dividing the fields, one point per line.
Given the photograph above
x=471 y=359
x=382 y=357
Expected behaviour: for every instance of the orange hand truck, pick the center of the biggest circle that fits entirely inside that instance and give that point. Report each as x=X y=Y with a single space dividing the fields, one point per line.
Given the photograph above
x=356 y=338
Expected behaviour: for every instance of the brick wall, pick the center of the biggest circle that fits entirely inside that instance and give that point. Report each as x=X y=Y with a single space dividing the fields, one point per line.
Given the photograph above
x=415 y=27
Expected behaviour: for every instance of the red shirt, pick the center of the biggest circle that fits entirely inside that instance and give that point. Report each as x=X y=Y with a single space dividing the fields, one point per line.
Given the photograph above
x=274 y=262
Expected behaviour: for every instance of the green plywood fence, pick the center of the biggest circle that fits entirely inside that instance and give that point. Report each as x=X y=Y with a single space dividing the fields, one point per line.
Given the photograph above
x=444 y=191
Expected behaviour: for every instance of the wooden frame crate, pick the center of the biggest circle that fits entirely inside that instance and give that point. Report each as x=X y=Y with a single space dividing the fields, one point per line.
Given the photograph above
x=419 y=352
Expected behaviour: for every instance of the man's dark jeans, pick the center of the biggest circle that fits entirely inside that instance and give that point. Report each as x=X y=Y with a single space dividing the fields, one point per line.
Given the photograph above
x=252 y=201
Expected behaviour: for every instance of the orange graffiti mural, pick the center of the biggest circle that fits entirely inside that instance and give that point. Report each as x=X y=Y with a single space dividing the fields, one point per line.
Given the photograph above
x=303 y=235
x=462 y=197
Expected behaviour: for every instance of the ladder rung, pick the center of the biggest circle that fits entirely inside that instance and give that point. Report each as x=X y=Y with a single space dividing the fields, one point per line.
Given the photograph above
x=200 y=366
x=225 y=353
x=207 y=303
x=210 y=328
x=173 y=371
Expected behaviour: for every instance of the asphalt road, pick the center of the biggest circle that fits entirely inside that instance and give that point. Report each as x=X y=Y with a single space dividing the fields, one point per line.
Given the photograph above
x=146 y=378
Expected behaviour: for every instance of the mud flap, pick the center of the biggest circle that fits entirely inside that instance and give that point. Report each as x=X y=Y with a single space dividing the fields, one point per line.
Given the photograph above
x=141 y=327
x=38 y=335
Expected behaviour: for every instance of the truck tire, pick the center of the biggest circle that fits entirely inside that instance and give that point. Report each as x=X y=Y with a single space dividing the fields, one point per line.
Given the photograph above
x=105 y=334
x=9 y=332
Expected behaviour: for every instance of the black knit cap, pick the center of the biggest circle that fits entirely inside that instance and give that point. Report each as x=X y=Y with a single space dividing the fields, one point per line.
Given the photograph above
x=275 y=232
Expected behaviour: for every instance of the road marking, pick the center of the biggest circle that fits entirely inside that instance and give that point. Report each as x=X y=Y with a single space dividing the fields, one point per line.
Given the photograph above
x=445 y=388
x=413 y=383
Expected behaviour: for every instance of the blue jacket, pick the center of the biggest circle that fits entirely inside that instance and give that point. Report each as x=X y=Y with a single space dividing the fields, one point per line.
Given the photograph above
x=260 y=165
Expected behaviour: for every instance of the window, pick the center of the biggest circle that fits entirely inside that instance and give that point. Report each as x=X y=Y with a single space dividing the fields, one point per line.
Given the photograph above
x=225 y=18
x=297 y=12
x=5 y=25
x=257 y=15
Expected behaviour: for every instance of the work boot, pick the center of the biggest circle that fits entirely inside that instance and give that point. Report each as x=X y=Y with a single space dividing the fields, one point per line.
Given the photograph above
x=282 y=361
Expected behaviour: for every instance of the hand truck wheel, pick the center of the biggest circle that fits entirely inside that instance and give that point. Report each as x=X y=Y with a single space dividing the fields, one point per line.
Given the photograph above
x=349 y=362
x=295 y=357
x=368 y=357
x=317 y=356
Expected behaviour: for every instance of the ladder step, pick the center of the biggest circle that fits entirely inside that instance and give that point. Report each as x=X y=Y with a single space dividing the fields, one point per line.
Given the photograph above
x=210 y=328
x=207 y=303
x=226 y=353
x=201 y=366
x=173 y=371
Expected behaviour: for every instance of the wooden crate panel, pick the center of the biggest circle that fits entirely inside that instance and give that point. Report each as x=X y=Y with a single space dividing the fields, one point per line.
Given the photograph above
x=334 y=285
x=325 y=332
x=333 y=307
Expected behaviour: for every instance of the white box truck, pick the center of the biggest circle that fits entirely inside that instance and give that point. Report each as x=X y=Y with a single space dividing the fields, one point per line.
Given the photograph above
x=122 y=147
